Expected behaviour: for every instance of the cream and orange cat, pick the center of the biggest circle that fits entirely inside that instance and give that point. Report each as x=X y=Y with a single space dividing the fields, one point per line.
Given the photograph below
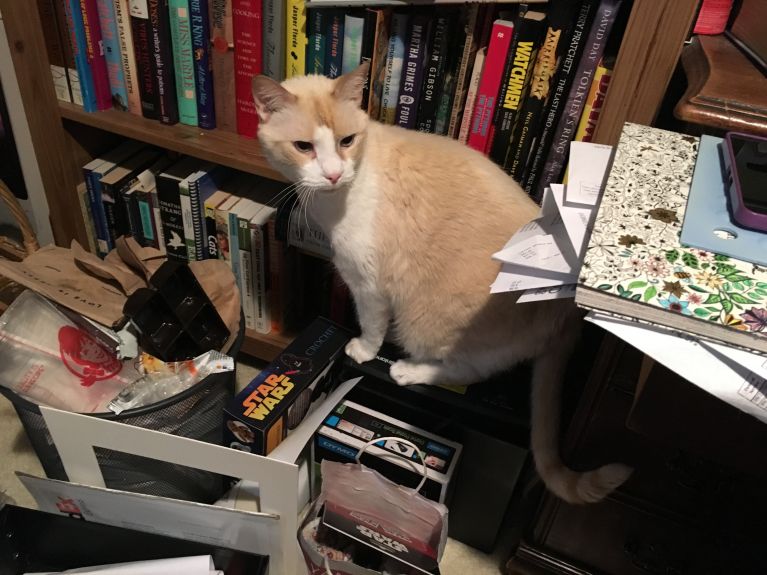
x=413 y=219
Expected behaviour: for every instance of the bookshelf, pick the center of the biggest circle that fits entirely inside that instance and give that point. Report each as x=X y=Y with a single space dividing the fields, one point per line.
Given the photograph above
x=65 y=137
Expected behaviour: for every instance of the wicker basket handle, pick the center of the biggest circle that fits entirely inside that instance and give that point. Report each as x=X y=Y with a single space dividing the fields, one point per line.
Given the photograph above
x=28 y=234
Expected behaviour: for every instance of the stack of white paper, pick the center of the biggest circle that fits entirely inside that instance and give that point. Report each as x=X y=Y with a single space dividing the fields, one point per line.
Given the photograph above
x=544 y=257
x=197 y=565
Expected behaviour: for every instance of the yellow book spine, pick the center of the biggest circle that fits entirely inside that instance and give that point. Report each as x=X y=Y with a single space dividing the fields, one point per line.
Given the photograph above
x=594 y=103
x=295 y=62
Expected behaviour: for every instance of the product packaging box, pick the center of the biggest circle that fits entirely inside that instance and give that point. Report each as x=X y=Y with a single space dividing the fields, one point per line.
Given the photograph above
x=351 y=425
x=279 y=398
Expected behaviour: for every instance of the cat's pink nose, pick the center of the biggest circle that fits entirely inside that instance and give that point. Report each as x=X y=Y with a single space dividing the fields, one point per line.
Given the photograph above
x=333 y=178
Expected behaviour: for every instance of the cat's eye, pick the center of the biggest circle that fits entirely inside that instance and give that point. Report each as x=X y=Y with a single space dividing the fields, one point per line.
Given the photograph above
x=303 y=146
x=347 y=141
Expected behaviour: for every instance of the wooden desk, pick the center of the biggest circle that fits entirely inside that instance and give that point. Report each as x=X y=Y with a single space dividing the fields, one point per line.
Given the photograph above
x=726 y=91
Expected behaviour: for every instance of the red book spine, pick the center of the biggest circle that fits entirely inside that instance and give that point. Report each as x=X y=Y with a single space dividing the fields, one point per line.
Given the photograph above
x=96 y=60
x=490 y=85
x=246 y=16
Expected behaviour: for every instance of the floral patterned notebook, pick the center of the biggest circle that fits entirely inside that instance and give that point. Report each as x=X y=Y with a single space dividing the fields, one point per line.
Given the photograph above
x=635 y=265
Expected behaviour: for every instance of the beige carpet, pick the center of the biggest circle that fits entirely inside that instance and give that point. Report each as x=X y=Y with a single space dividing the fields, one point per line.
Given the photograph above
x=16 y=454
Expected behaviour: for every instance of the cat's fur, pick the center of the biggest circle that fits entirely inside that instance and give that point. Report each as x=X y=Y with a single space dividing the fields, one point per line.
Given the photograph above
x=413 y=219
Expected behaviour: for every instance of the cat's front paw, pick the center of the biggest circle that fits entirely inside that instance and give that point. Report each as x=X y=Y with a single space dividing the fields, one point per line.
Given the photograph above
x=360 y=351
x=405 y=372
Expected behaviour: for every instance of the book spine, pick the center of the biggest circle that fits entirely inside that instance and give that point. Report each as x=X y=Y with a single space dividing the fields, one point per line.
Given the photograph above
x=197 y=221
x=273 y=25
x=489 y=86
x=576 y=99
x=169 y=202
x=92 y=186
x=95 y=52
x=222 y=235
x=112 y=54
x=80 y=55
x=54 y=50
x=246 y=273
x=146 y=218
x=65 y=38
x=395 y=56
x=259 y=268
x=222 y=58
x=334 y=44
x=378 y=63
x=435 y=71
x=159 y=20
x=315 y=49
x=594 y=102
x=560 y=88
x=276 y=250
x=247 y=62
x=476 y=19
x=370 y=25
x=354 y=27
x=545 y=67
x=211 y=244
x=518 y=78
x=154 y=198
x=108 y=207
x=183 y=61
x=123 y=225
x=127 y=55
x=412 y=71
x=295 y=38
x=234 y=247
x=134 y=217
x=203 y=71
x=471 y=95
x=185 y=201
x=90 y=224
x=142 y=43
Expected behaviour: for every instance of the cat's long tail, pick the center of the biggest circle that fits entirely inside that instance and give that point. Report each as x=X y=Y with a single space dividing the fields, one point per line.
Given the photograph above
x=572 y=486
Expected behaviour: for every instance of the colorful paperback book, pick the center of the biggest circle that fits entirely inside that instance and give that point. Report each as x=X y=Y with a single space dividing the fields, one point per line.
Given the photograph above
x=95 y=52
x=471 y=95
x=215 y=200
x=295 y=38
x=247 y=62
x=395 y=56
x=202 y=185
x=203 y=64
x=378 y=61
x=80 y=51
x=635 y=265
x=224 y=226
x=412 y=69
x=222 y=56
x=372 y=20
x=334 y=43
x=594 y=102
x=274 y=47
x=354 y=27
x=127 y=55
x=141 y=31
x=315 y=49
x=111 y=48
x=460 y=73
x=183 y=61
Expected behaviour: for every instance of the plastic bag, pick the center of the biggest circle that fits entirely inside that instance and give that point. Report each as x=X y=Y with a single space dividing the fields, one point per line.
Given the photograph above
x=364 y=524
x=49 y=360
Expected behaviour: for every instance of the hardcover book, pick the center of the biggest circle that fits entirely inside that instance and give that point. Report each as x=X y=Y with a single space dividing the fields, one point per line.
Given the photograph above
x=203 y=65
x=635 y=265
x=354 y=26
x=434 y=73
x=247 y=62
x=274 y=47
x=334 y=43
x=412 y=69
x=183 y=61
x=395 y=55
x=141 y=31
x=563 y=80
x=162 y=59
x=316 y=47
x=127 y=55
x=527 y=42
x=222 y=56
x=295 y=38
x=111 y=48
x=490 y=85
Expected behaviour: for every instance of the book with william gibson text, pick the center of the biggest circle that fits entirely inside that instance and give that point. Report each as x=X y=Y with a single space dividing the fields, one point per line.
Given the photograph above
x=412 y=69
x=527 y=42
x=490 y=85
x=435 y=72
x=247 y=62
x=635 y=265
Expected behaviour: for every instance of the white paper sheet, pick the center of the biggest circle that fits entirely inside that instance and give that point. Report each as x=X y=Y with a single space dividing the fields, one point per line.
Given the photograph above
x=554 y=292
x=198 y=565
x=514 y=278
x=577 y=220
x=685 y=355
x=587 y=168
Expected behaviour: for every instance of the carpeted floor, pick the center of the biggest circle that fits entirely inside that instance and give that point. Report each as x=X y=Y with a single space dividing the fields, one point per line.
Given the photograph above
x=16 y=454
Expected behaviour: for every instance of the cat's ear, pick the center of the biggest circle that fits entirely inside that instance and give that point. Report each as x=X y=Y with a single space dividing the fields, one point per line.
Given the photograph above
x=269 y=97
x=350 y=86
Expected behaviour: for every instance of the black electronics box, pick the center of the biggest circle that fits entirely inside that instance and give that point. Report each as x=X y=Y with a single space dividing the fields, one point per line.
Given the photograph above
x=278 y=399
x=350 y=426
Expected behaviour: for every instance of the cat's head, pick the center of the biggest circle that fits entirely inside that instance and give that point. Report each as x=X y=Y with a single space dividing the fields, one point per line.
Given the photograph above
x=312 y=128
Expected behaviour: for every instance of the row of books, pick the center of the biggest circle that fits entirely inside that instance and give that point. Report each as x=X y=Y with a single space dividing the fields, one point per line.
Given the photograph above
x=193 y=210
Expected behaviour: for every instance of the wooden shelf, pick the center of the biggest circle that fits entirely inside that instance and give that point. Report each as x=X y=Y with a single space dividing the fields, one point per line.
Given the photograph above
x=265 y=347
x=214 y=146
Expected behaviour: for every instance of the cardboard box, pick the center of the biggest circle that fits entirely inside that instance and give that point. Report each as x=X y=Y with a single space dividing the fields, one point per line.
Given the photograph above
x=279 y=398
x=350 y=425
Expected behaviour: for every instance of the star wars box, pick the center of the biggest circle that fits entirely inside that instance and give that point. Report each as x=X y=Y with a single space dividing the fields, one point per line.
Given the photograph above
x=279 y=398
x=351 y=425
